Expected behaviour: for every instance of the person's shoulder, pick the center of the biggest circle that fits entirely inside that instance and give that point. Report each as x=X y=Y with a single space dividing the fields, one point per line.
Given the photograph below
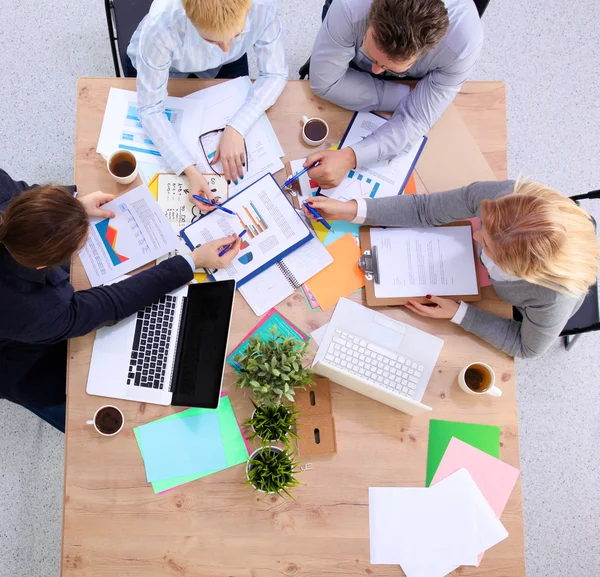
x=465 y=32
x=166 y=13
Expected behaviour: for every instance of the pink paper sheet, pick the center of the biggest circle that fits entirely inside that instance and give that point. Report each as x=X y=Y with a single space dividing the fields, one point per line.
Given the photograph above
x=494 y=478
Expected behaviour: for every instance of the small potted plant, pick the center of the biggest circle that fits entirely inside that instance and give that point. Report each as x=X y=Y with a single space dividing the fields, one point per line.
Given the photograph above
x=272 y=423
x=271 y=470
x=273 y=368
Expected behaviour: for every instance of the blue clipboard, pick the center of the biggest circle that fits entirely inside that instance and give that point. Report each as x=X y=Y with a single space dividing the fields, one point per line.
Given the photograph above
x=275 y=259
x=412 y=167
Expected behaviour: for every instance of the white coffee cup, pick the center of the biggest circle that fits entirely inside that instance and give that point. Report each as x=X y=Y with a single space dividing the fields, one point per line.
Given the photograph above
x=119 y=159
x=317 y=121
x=482 y=380
x=98 y=426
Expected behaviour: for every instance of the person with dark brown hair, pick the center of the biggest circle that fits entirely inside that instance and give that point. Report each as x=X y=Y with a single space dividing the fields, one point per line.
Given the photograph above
x=364 y=46
x=41 y=228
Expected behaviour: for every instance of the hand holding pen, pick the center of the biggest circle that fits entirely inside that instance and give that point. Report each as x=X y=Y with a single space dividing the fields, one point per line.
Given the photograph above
x=218 y=206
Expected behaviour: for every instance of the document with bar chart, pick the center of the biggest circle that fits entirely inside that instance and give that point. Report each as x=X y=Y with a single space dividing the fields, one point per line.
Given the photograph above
x=138 y=234
x=122 y=128
x=386 y=178
x=273 y=229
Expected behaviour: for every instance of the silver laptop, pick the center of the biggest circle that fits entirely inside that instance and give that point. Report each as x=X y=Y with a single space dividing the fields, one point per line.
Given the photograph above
x=170 y=353
x=378 y=357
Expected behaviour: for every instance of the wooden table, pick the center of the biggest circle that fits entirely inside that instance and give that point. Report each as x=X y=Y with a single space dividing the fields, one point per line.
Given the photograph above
x=216 y=527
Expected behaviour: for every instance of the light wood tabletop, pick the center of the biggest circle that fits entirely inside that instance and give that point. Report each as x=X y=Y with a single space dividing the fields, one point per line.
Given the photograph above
x=114 y=525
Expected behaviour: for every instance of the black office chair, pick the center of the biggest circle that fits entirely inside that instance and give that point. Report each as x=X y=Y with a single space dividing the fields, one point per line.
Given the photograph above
x=122 y=18
x=587 y=318
x=305 y=68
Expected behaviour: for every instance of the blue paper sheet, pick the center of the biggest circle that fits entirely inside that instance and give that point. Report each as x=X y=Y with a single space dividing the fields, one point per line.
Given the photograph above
x=340 y=228
x=174 y=448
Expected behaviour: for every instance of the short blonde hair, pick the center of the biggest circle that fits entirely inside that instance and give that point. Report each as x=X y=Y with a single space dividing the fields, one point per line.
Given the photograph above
x=543 y=237
x=219 y=17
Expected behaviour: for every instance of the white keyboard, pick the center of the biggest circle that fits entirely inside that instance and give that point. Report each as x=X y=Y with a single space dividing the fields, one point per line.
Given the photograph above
x=374 y=364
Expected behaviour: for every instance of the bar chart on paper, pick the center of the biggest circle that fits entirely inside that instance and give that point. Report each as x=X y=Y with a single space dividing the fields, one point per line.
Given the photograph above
x=362 y=184
x=252 y=221
x=133 y=136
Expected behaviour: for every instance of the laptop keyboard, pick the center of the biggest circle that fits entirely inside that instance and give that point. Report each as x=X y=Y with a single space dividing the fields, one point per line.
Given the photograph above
x=374 y=364
x=151 y=342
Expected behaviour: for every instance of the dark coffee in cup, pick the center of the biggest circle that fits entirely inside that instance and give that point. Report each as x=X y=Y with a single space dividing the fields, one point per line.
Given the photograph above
x=315 y=130
x=122 y=164
x=108 y=420
x=478 y=378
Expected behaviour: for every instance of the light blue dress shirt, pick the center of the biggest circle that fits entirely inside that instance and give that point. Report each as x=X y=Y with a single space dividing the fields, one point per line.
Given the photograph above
x=166 y=43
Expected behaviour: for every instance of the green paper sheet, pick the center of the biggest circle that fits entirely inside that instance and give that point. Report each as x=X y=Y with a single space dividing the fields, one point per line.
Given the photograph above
x=236 y=451
x=486 y=438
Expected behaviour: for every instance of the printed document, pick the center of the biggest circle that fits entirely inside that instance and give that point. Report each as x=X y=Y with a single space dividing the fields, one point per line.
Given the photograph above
x=219 y=104
x=122 y=129
x=272 y=226
x=138 y=234
x=414 y=262
x=386 y=178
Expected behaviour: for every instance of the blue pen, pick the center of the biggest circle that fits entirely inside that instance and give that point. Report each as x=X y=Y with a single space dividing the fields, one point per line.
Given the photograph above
x=211 y=204
x=318 y=216
x=230 y=245
x=297 y=176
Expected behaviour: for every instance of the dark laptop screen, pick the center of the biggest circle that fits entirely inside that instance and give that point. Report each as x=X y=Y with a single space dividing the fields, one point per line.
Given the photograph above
x=202 y=344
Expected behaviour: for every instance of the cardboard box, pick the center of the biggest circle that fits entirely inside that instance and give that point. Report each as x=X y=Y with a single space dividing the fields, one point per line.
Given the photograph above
x=317 y=436
x=316 y=400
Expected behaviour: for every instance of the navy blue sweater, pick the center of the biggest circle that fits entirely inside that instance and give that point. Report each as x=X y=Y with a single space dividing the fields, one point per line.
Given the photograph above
x=40 y=308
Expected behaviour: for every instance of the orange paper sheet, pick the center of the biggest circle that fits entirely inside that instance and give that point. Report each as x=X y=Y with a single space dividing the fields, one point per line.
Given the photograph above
x=411 y=185
x=342 y=277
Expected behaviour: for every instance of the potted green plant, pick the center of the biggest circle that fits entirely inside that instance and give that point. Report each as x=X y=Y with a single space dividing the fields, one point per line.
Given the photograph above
x=273 y=368
x=272 y=423
x=271 y=470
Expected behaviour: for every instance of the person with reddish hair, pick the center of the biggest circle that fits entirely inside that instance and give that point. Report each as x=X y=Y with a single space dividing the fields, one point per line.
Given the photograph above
x=41 y=228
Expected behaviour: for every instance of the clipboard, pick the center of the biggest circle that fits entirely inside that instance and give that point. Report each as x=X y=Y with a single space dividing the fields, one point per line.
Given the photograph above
x=280 y=256
x=369 y=265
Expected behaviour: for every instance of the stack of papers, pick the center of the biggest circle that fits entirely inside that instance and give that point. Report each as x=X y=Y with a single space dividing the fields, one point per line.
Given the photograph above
x=190 y=445
x=431 y=531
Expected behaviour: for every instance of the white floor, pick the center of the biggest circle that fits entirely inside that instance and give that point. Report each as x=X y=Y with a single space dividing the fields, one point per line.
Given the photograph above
x=547 y=51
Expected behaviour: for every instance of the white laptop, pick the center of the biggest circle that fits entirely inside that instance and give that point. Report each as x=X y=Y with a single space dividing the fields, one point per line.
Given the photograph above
x=170 y=353
x=378 y=357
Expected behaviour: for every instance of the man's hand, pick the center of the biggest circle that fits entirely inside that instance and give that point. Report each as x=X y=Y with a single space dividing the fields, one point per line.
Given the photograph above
x=199 y=186
x=207 y=255
x=93 y=201
x=333 y=166
x=443 y=309
x=331 y=209
x=231 y=153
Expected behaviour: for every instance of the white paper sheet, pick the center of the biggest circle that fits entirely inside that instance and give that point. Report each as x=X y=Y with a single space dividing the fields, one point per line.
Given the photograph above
x=122 y=129
x=430 y=532
x=271 y=222
x=385 y=178
x=173 y=198
x=278 y=282
x=415 y=262
x=318 y=334
x=219 y=104
x=138 y=234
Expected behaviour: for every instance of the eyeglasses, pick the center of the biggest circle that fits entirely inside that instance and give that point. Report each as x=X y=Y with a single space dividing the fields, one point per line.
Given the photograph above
x=363 y=51
x=210 y=141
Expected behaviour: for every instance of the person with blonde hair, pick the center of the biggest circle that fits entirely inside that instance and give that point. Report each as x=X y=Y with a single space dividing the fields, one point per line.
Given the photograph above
x=539 y=247
x=206 y=38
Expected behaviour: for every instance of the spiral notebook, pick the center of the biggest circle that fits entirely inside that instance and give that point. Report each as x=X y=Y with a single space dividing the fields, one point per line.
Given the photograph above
x=278 y=282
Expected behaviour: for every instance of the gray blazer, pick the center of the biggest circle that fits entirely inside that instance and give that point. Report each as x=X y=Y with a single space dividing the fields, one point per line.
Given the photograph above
x=545 y=311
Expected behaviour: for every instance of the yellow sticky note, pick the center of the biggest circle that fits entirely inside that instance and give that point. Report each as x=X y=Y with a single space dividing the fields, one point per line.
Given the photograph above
x=320 y=231
x=342 y=277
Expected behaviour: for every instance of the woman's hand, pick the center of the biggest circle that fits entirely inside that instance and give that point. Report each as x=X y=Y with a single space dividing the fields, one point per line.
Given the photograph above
x=93 y=201
x=231 y=153
x=207 y=255
x=331 y=209
x=199 y=186
x=443 y=309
